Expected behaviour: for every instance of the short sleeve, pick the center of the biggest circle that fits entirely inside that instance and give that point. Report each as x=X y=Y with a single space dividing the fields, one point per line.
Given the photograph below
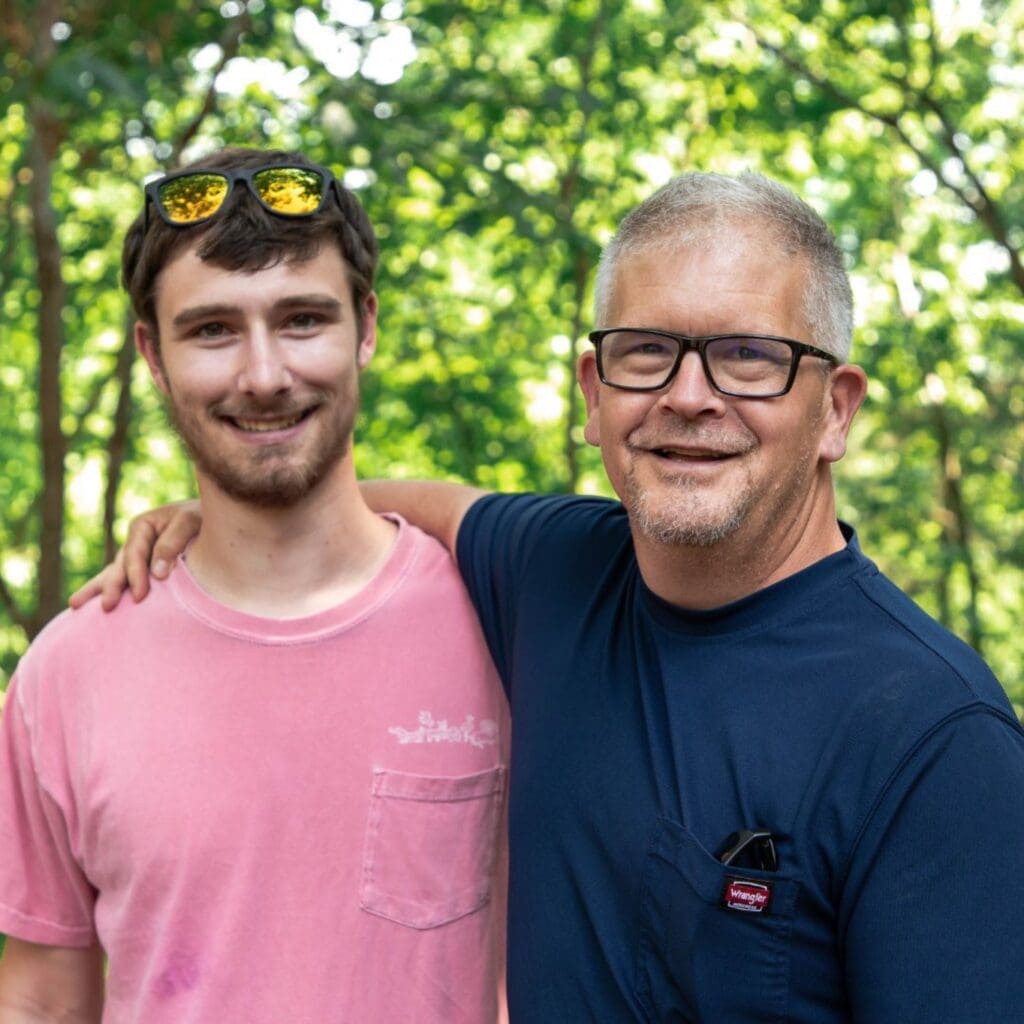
x=540 y=549
x=936 y=884
x=44 y=895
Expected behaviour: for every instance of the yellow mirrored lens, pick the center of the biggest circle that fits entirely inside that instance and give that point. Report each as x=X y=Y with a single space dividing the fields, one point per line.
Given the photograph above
x=193 y=197
x=290 y=190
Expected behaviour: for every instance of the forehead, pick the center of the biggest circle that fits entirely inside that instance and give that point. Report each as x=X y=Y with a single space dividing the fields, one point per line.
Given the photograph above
x=736 y=281
x=189 y=280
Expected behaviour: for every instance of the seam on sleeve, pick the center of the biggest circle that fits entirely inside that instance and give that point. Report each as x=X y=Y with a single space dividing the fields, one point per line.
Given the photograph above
x=33 y=755
x=918 y=638
x=40 y=929
x=976 y=708
x=86 y=929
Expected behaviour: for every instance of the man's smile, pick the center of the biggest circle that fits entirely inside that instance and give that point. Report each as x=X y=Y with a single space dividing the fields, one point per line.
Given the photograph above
x=691 y=454
x=261 y=426
x=249 y=422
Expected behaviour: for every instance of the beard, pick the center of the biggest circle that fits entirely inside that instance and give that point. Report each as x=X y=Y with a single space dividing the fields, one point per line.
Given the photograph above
x=270 y=476
x=687 y=511
x=690 y=517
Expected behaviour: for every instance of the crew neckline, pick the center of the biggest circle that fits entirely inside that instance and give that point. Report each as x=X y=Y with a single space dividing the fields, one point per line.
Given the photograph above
x=307 y=628
x=756 y=611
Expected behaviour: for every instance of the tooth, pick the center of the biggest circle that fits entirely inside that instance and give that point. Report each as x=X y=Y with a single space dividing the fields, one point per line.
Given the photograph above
x=264 y=426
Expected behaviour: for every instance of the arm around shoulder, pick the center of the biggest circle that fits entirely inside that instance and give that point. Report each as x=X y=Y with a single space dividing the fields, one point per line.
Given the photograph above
x=46 y=984
x=436 y=507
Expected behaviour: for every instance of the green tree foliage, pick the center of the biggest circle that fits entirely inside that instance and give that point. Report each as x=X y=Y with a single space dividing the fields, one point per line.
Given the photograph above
x=495 y=159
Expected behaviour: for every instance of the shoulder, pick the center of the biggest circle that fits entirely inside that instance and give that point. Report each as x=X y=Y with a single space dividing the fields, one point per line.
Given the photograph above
x=905 y=640
x=66 y=636
x=426 y=577
x=895 y=693
x=878 y=679
x=76 y=644
x=548 y=519
x=424 y=560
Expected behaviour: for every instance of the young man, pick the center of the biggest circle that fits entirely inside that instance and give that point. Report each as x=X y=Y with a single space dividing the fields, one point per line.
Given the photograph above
x=752 y=780
x=272 y=792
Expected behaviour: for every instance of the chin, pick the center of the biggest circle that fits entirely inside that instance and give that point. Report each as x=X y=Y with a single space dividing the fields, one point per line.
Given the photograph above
x=284 y=489
x=684 y=519
x=673 y=532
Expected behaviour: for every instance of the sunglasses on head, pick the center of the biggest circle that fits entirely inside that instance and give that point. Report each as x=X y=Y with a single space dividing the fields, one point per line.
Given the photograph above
x=195 y=195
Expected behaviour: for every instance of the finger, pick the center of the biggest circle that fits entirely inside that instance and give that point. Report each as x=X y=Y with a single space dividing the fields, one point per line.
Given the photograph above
x=114 y=583
x=134 y=556
x=174 y=539
x=108 y=584
x=87 y=591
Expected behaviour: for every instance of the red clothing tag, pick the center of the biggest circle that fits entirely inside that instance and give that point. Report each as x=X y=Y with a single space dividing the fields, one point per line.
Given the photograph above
x=750 y=897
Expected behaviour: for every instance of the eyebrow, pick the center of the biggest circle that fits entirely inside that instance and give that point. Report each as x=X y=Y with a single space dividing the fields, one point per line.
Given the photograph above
x=324 y=303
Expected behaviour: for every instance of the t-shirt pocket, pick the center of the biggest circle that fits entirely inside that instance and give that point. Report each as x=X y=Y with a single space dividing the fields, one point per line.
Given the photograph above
x=715 y=940
x=430 y=846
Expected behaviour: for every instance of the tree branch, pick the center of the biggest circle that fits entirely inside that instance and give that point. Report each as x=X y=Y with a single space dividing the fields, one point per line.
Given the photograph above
x=88 y=409
x=981 y=204
x=18 y=617
x=230 y=42
x=985 y=207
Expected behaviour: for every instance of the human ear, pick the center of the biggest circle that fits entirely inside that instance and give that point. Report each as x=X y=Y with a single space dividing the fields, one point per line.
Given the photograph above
x=590 y=385
x=845 y=392
x=368 y=335
x=148 y=346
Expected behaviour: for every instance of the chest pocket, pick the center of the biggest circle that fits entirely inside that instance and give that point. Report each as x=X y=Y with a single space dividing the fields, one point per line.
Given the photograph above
x=700 y=961
x=431 y=843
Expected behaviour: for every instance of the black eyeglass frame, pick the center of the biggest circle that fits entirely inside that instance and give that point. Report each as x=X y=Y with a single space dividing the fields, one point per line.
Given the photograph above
x=234 y=174
x=699 y=345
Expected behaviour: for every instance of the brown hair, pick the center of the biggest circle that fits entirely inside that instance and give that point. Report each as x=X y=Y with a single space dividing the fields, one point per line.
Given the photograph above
x=246 y=237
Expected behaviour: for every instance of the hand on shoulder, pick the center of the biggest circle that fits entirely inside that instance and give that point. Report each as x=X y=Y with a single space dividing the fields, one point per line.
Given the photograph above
x=155 y=539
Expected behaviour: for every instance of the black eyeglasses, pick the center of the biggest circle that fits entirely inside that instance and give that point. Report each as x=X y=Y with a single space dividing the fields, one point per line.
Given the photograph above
x=741 y=365
x=195 y=195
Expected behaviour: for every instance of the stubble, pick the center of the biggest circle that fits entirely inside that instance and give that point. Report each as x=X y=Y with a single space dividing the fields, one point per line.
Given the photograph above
x=267 y=477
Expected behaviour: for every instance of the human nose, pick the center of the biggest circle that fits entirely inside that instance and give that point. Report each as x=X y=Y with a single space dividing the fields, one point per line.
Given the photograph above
x=690 y=393
x=264 y=371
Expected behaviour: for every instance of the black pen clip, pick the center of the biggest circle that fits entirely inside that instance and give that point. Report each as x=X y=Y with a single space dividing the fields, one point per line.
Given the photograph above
x=750 y=848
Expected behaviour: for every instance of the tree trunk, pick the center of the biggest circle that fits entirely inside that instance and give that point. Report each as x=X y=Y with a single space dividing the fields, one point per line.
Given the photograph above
x=52 y=298
x=957 y=523
x=118 y=443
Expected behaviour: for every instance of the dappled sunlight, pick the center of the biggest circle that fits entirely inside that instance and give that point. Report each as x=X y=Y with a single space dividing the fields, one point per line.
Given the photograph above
x=496 y=152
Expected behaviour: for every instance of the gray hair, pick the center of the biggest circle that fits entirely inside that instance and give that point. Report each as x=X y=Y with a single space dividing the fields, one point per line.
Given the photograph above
x=688 y=209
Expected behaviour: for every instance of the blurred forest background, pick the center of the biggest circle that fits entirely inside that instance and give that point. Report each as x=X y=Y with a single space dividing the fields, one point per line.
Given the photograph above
x=495 y=144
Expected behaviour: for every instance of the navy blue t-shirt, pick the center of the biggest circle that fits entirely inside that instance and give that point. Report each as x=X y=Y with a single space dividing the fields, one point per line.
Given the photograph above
x=878 y=750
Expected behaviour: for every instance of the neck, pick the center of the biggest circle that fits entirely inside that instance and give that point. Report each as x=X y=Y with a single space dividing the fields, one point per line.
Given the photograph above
x=289 y=562
x=702 y=577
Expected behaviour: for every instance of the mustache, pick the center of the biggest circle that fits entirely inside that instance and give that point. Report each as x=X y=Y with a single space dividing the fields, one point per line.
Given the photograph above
x=269 y=410
x=708 y=438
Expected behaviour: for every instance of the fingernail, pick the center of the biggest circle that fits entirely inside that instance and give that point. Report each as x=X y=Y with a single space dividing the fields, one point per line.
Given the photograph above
x=160 y=568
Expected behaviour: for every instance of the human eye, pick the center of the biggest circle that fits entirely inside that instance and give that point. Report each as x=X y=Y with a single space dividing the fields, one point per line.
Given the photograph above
x=637 y=346
x=741 y=363
x=212 y=331
x=304 y=322
x=755 y=351
x=651 y=348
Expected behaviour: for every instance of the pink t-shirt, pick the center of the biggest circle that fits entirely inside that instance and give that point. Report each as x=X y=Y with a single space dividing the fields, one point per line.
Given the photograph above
x=281 y=821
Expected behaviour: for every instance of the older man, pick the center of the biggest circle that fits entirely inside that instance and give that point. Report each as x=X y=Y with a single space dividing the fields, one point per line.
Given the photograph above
x=752 y=781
